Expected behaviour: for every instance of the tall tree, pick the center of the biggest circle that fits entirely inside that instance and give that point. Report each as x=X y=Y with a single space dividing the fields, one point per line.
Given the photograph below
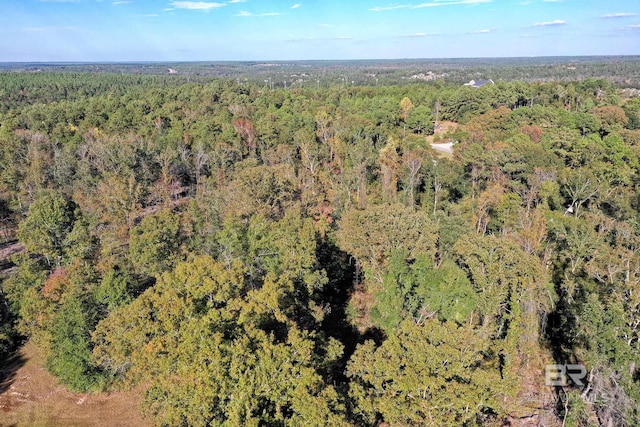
x=430 y=373
x=47 y=224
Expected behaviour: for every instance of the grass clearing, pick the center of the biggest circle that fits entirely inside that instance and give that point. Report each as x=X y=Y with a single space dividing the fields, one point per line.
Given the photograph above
x=32 y=397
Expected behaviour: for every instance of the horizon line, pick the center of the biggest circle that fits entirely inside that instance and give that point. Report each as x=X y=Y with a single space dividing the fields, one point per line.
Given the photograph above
x=174 y=61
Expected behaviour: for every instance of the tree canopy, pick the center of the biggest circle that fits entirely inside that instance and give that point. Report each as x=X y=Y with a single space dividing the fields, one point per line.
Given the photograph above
x=255 y=255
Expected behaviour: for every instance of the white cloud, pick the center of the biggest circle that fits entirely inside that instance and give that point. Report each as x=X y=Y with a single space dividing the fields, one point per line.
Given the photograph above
x=449 y=3
x=295 y=6
x=418 y=35
x=555 y=23
x=116 y=3
x=398 y=6
x=433 y=3
x=314 y=39
x=237 y=1
x=50 y=29
x=245 y=14
x=636 y=26
x=483 y=31
x=619 y=15
x=196 y=5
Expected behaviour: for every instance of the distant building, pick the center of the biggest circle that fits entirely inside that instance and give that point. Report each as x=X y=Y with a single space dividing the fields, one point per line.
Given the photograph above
x=430 y=75
x=479 y=83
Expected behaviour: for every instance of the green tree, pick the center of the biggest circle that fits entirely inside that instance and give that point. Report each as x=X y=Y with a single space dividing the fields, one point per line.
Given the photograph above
x=420 y=120
x=373 y=234
x=45 y=228
x=117 y=288
x=217 y=352
x=155 y=243
x=513 y=294
x=430 y=373
x=418 y=290
x=70 y=355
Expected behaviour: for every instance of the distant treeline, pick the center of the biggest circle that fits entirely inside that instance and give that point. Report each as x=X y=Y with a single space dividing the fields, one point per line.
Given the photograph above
x=622 y=70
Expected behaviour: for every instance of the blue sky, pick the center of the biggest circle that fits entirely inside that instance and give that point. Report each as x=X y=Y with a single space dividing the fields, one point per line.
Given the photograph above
x=167 y=30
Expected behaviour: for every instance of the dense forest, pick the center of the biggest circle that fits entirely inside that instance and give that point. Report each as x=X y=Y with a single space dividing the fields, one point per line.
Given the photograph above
x=252 y=254
x=624 y=71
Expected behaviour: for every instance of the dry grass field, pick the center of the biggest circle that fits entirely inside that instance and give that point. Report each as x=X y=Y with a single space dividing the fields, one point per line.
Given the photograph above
x=30 y=396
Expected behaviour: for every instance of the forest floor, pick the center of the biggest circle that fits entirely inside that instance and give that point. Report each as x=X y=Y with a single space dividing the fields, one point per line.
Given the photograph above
x=8 y=249
x=30 y=396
